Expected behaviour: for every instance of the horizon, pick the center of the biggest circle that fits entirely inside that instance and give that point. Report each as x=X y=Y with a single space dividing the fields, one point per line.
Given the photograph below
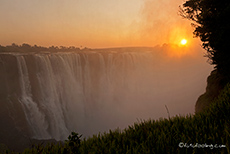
x=177 y=51
x=187 y=45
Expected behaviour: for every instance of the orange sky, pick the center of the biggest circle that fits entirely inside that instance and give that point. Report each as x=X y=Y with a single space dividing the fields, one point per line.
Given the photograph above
x=92 y=23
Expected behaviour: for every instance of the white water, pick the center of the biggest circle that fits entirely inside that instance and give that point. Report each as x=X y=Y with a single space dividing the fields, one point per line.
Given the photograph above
x=34 y=116
x=94 y=91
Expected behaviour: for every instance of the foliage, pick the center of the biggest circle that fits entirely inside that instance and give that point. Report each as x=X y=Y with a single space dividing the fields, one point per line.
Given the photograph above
x=73 y=143
x=203 y=130
x=211 y=21
x=28 y=48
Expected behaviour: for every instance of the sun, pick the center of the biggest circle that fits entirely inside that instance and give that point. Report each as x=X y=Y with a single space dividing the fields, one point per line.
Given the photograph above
x=183 y=42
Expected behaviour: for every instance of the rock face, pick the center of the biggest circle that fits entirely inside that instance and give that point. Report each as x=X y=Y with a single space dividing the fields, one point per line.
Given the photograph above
x=215 y=83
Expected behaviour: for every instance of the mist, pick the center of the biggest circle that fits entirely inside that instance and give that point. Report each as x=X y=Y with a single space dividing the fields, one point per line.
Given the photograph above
x=93 y=90
x=155 y=82
x=159 y=22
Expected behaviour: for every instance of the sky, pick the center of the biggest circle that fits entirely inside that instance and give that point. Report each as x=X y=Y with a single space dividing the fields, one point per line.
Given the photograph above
x=93 y=23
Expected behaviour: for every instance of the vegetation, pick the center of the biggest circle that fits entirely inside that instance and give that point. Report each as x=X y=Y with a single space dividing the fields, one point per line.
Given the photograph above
x=211 y=21
x=207 y=132
x=28 y=48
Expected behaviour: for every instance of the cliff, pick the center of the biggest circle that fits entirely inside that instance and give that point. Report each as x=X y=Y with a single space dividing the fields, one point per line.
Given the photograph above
x=215 y=83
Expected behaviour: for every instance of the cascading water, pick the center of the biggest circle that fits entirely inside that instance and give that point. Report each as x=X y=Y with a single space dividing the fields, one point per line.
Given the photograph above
x=34 y=117
x=91 y=91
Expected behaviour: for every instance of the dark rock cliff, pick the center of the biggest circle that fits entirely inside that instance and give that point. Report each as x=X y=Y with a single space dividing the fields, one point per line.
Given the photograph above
x=215 y=83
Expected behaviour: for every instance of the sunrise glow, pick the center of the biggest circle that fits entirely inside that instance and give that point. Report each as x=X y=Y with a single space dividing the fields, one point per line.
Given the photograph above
x=183 y=42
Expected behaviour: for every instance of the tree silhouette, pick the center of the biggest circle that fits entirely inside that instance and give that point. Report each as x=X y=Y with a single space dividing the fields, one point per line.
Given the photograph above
x=28 y=48
x=210 y=19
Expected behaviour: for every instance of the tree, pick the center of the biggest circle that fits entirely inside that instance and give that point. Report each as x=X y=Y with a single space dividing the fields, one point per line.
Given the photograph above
x=210 y=19
x=73 y=143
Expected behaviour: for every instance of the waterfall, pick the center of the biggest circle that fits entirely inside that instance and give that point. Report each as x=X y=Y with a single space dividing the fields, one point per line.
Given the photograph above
x=95 y=90
x=72 y=87
x=34 y=116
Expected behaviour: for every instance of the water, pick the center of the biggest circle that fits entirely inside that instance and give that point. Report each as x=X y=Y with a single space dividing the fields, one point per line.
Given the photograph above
x=48 y=95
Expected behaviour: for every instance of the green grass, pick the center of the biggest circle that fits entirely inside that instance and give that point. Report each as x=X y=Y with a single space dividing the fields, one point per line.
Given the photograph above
x=158 y=136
